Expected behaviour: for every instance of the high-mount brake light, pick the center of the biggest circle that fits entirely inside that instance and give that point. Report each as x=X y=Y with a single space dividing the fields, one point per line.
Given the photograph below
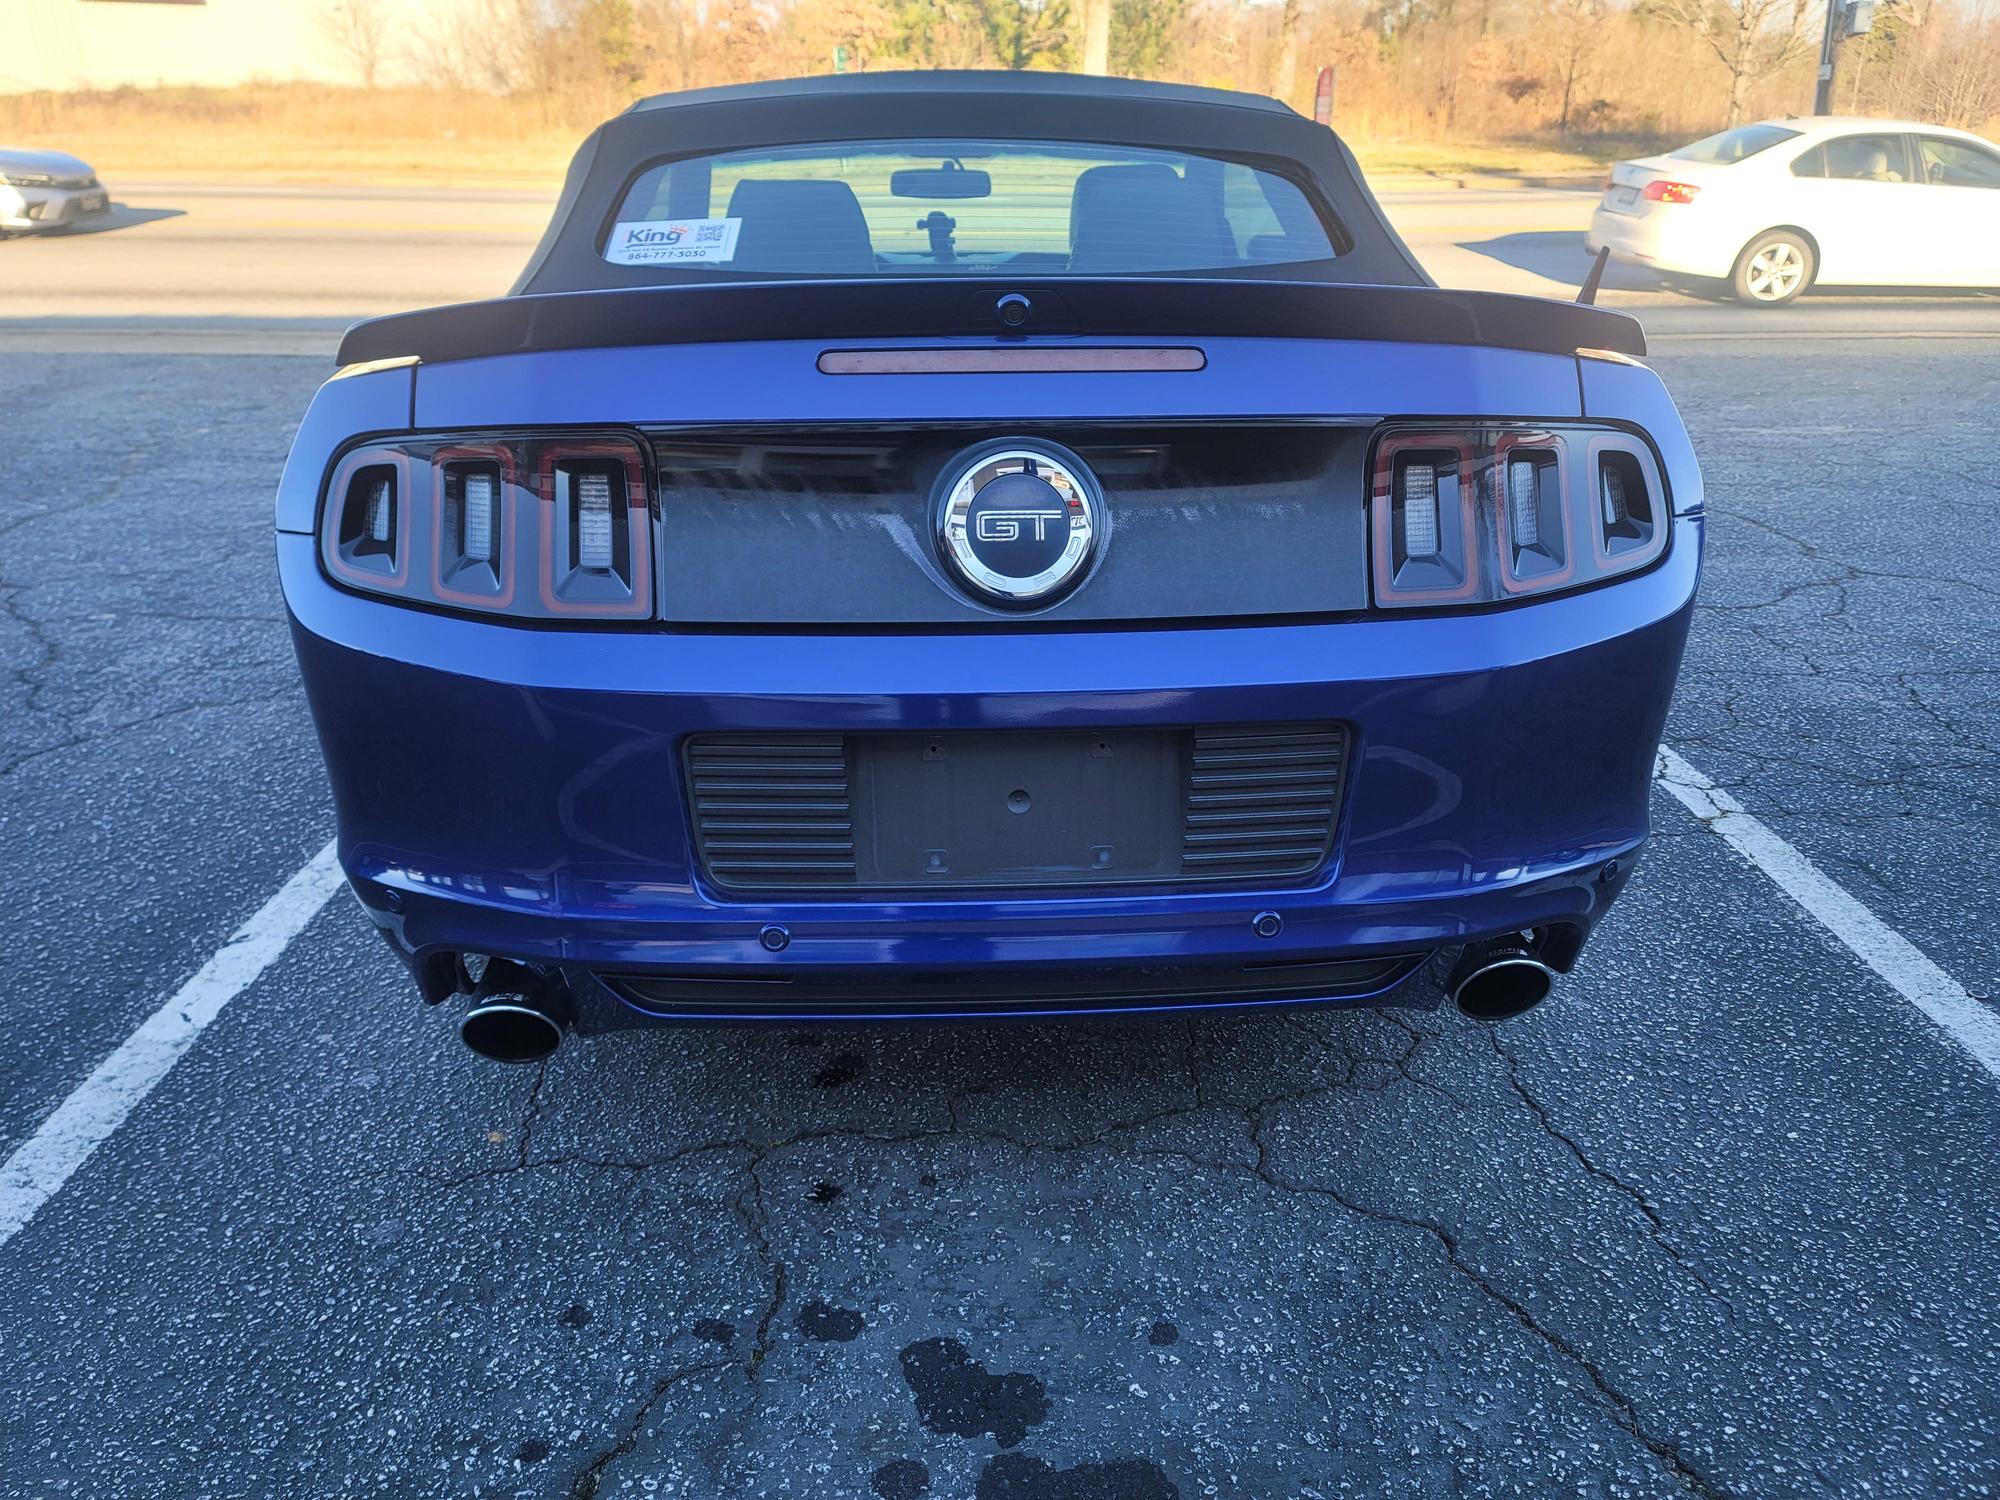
x=1478 y=515
x=534 y=527
x=1662 y=191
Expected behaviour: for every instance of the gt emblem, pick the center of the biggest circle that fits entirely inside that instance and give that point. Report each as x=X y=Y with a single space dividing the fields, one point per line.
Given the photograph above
x=1019 y=526
x=1006 y=525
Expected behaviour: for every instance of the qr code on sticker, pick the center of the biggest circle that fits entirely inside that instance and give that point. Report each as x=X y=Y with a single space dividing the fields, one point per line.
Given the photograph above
x=709 y=234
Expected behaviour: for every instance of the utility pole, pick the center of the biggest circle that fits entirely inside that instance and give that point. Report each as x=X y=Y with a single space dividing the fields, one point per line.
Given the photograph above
x=1830 y=39
x=1844 y=19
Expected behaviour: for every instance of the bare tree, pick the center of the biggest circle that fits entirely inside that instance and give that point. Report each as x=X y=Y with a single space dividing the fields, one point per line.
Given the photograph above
x=1957 y=78
x=1578 y=29
x=1752 y=38
x=359 y=30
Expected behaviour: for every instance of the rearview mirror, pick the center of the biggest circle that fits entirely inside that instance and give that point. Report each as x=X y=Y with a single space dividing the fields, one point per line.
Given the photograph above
x=948 y=181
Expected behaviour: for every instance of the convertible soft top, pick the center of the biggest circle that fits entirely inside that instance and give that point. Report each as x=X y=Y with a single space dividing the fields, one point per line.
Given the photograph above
x=1000 y=105
x=571 y=296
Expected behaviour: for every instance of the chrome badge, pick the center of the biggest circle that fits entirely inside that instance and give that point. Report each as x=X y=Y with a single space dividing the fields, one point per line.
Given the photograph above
x=1019 y=525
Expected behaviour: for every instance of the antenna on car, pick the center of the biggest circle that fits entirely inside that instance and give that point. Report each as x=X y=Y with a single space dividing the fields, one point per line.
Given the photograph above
x=1588 y=296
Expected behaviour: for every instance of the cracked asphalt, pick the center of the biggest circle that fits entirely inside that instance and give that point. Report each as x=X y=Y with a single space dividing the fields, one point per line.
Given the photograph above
x=1722 y=1220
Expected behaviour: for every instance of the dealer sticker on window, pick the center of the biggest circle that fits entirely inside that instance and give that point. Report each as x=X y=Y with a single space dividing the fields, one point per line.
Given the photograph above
x=660 y=242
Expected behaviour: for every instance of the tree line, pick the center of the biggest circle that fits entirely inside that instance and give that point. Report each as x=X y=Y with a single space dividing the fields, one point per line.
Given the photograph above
x=1462 y=69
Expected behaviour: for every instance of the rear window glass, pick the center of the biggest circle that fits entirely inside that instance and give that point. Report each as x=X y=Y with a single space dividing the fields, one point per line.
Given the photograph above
x=949 y=207
x=1735 y=145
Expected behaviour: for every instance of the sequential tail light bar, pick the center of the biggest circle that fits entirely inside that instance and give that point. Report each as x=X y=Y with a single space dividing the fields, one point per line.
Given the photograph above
x=552 y=528
x=1479 y=515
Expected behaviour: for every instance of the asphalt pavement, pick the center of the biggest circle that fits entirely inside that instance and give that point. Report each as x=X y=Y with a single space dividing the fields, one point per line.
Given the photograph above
x=1722 y=1219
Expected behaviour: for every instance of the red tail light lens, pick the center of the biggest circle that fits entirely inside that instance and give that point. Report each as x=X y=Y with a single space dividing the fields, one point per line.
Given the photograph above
x=555 y=528
x=1662 y=191
x=1486 y=514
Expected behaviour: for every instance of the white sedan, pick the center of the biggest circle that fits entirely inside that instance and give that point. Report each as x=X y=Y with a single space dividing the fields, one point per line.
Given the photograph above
x=1779 y=206
x=45 y=190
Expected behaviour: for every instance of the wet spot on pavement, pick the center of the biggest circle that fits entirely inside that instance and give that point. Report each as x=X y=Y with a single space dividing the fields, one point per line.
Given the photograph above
x=824 y=1192
x=576 y=1315
x=955 y=1394
x=1015 y=1476
x=1162 y=1334
x=901 y=1479
x=715 y=1331
x=532 y=1452
x=842 y=1071
x=830 y=1325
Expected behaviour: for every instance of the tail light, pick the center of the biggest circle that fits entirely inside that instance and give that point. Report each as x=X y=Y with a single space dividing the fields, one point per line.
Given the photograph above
x=1484 y=514
x=1662 y=191
x=553 y=528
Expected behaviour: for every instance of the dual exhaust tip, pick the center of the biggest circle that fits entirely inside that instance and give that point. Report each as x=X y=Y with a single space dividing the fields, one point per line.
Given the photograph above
x=517 y=1015
x=1499 y=979
x=521 y=1016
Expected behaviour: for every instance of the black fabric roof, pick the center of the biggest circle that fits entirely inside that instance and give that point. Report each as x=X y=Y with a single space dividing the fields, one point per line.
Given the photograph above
x=961 y=82
x=989 y=105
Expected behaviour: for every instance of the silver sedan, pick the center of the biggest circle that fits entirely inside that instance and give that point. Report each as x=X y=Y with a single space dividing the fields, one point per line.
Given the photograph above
x=42 y=190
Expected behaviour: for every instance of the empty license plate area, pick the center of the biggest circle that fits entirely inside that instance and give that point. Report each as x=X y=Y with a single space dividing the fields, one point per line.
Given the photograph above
x=1019 y=808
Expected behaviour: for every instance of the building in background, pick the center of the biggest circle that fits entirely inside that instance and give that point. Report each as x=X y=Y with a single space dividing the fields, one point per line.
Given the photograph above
x=104 y=44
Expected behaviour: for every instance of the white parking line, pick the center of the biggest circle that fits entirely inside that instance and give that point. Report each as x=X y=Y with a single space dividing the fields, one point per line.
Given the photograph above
x=99 y=1105
x=1972 y=1025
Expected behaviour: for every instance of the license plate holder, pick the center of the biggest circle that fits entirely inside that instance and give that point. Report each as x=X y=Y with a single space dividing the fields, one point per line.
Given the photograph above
x=1017 y=808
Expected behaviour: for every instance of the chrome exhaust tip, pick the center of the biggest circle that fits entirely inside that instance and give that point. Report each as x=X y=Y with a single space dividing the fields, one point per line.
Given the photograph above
x=1499 y=980
x=516 y=1016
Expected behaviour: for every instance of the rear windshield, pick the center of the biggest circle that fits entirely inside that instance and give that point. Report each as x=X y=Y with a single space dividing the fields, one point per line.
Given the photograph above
x=1735 y=145
x=949 y=207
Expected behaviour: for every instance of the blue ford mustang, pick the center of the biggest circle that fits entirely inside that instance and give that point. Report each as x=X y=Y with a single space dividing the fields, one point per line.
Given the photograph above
x=941 y=545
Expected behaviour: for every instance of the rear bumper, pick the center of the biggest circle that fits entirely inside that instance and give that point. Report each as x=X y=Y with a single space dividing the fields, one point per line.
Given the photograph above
x=1665 y=238
x=517 y=792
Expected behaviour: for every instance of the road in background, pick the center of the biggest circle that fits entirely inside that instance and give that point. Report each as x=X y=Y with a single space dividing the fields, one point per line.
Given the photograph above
x=186 y=252
x=197 y=262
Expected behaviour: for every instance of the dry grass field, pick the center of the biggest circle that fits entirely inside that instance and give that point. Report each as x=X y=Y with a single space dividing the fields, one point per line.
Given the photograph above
x=299 y=133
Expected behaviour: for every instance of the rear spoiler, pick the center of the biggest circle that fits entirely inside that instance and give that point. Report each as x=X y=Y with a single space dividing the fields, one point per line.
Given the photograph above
x=930 y=308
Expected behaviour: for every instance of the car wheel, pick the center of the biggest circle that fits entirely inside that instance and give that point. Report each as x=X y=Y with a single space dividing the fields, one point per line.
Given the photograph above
x=1773 y=269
